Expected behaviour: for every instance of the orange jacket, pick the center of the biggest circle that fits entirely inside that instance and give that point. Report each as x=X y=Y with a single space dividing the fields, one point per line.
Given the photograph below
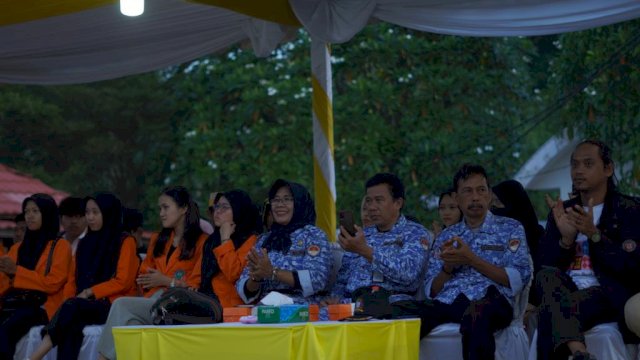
x=53 y=283
x=4 y=279
x=174 y=264
x=123 y=284
x=231 y=263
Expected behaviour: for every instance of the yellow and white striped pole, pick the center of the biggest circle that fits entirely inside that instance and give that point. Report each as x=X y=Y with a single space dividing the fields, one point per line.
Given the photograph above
x=323 y=164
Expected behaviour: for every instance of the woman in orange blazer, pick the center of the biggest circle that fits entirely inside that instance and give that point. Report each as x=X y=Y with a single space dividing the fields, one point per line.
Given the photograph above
x=170 y=261
x=38 y=266
x=105 y=268
x=237 y=223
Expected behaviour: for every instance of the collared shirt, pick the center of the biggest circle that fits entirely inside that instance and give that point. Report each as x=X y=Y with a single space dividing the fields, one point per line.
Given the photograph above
x=309 y=255
x=399 y=261
x=500 y=241
x=74 y=242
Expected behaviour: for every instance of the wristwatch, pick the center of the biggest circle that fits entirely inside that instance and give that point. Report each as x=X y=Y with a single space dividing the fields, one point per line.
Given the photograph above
x=596 y=237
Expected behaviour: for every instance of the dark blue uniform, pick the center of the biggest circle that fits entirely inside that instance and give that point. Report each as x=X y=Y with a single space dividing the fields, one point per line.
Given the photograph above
x=399 y=260
x=309 y=255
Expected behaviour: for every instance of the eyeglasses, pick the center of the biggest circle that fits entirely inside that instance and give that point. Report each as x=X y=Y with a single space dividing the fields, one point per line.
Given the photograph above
x=221 y=207
x=281 y=201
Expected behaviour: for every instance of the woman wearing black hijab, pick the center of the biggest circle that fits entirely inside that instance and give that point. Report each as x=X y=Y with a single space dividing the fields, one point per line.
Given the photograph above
x=38 y=268
x=294 y=258
x=106 y=265
x=236 y=226
x=513 y=202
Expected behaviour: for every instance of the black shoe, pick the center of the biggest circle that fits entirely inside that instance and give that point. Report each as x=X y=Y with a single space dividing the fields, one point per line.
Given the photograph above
x=579 y=355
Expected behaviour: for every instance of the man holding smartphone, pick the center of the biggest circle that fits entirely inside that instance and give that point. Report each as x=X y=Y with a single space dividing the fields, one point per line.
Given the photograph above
x=392 y=254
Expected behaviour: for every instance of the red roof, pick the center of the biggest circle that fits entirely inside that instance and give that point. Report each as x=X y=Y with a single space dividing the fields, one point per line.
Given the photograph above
x=15 y=187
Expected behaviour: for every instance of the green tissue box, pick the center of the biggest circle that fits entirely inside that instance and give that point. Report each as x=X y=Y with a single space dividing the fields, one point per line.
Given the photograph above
x=283 y=314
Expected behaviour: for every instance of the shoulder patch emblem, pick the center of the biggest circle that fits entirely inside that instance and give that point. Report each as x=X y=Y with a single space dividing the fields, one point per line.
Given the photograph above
x=629 y=245
x=514 y=244
x=313 y=250
x=425 y=243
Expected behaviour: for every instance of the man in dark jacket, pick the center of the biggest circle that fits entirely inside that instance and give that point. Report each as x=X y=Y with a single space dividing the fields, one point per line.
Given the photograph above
x=589 y=255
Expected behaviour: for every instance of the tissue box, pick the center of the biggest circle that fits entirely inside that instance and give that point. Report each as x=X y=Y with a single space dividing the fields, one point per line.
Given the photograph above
x=233 y=314
x=282 y=314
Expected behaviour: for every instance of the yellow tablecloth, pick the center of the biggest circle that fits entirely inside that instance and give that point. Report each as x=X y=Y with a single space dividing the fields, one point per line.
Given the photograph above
x=383 y=339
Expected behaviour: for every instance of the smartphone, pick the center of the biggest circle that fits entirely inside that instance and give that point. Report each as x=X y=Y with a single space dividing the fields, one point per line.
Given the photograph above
x=357 y=318
x=346 y=221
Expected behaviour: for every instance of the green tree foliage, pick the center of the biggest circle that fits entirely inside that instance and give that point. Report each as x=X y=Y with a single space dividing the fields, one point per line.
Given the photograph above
x=415 y=104
x=116 y=135
x=600 y=66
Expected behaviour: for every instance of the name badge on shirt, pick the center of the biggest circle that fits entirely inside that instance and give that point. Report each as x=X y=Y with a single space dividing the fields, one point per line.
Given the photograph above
x=398 y=241
x=492 y=247
x=297 y=252
x=377 y=277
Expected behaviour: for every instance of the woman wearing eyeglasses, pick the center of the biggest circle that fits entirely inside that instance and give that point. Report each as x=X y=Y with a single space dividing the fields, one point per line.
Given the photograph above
x=237 y=223
x=294 y=257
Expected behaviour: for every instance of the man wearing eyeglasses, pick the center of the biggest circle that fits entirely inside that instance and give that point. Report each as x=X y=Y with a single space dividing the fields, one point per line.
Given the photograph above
x=390 y=255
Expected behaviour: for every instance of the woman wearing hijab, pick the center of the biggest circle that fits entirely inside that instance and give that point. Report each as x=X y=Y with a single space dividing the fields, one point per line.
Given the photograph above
x=106 y=265
x=511 y=200
x=171 y=260
x=236 y=225
x=38 y=268
x=294 y=258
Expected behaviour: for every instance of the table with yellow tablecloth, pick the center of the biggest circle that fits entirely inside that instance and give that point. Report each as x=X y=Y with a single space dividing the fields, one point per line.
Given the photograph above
x=379 y=339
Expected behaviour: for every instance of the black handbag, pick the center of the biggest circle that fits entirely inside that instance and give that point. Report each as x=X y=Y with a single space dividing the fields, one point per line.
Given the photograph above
x=21 y=298
x=179 y=306
x=372 y=301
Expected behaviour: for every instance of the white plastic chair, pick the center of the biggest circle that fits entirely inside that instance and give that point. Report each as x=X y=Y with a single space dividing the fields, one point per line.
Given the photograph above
x=604 y=341
x=512 y=343
x=88 y=351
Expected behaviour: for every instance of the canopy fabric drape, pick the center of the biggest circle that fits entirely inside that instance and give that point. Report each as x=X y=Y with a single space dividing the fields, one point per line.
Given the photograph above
x=66 y=41
x=337 y=21
x=100 y=43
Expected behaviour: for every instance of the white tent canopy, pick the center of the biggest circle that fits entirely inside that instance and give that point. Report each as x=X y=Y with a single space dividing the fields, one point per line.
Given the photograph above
x=99 y=43
x=338 y=21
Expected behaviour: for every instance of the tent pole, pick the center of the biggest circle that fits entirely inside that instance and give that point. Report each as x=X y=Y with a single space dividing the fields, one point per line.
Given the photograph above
x=323 y=160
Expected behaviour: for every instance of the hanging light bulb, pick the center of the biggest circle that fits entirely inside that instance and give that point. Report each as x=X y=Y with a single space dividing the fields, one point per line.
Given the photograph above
x=131 y=7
